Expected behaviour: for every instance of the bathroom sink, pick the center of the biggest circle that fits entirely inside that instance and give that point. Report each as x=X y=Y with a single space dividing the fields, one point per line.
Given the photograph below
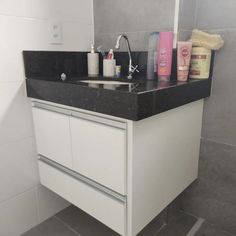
x=104 y=82
x=107 y=84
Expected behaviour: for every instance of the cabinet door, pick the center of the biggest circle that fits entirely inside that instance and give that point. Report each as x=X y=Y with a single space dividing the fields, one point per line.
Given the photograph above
x=99 y=152
x=52 y=131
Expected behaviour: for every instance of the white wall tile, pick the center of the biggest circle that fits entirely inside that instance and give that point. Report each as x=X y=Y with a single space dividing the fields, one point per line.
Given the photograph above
x=79 y=10
x=19 y=214
x=16 y=169
x=34 y=34
x=15 y=113
x=24 y=26
x=16 y=8
x=77 y=36
x=18 y=34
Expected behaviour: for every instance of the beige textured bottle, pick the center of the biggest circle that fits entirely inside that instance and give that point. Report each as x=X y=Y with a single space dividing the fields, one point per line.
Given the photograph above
x=200 y=63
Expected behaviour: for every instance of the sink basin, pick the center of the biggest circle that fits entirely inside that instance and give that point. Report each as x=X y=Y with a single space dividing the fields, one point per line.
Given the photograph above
x=104 y=82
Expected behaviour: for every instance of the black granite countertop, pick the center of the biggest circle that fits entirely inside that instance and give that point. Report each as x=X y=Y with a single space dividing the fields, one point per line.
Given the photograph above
x=137 y=100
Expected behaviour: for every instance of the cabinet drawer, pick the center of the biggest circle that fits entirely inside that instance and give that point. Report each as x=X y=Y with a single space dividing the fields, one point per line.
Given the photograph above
x=99 y=152
x=52 y=131
x=106 y=209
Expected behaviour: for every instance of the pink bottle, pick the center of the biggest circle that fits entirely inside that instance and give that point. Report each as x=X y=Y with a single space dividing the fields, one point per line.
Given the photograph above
x=164 y=56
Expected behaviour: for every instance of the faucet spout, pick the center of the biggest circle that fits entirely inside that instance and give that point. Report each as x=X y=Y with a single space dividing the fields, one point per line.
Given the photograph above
x=131 y=68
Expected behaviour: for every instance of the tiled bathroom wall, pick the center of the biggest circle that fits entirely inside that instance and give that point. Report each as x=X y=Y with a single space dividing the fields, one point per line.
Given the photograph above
x=213 y=195
x=24 y=25
x=136 y=18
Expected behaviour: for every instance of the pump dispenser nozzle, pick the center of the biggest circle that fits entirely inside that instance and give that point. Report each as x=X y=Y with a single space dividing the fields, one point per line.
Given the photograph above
x=92 y=48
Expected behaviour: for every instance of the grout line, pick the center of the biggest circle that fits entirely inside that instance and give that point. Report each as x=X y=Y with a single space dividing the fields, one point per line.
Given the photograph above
x=213 y=30
x=17 y=140
x=66 y=225
x=13 y=81
x=218 y=142
x=217 y=29
x=11 y=198
x=160 y=229
x=196 y=227
x=190 y=214
x=43 y=19
x=137 y=31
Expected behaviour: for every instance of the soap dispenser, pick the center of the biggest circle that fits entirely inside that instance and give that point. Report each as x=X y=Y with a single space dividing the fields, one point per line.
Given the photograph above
x=93 y=63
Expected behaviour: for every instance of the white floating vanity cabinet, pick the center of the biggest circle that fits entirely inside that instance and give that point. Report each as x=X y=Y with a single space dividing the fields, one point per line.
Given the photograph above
x=122 y=172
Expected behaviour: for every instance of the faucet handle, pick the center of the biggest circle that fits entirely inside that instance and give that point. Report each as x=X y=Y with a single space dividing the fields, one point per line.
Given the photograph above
x=134 y=69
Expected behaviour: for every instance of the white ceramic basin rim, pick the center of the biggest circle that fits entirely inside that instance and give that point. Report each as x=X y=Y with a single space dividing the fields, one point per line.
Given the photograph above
x=104 y=82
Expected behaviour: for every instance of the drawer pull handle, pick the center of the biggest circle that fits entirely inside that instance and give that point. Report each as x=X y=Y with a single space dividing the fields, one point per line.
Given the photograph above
x=84 y=179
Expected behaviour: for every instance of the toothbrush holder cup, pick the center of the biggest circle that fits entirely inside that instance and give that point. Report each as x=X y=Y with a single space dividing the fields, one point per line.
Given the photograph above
x=109 y=67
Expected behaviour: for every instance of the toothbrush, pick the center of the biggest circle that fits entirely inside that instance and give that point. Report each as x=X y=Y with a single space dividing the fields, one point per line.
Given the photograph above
x=110 y=55
x=101 y=50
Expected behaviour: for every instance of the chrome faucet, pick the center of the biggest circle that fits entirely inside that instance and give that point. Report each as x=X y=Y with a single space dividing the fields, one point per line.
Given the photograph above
x=132 y=68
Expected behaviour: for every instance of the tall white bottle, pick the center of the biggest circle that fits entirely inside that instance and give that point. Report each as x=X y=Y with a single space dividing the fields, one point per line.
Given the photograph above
x=93 y=63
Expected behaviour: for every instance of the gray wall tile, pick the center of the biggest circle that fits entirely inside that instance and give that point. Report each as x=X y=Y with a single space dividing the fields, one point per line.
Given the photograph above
x=137 y=18
x=112 y=16
x=216 y=14
x=187 y=14
x=138 y=40
x=184 y=35
x=220 y=110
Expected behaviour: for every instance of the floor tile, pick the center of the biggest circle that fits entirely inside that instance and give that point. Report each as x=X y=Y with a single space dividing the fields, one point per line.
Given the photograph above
x=51 y=227
x=83 y=223
x=88 y=226
x=155 y=225
x=212 y=195
x=210 y=230
x=179 y=227
x=174 y=210
x=74 y=222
